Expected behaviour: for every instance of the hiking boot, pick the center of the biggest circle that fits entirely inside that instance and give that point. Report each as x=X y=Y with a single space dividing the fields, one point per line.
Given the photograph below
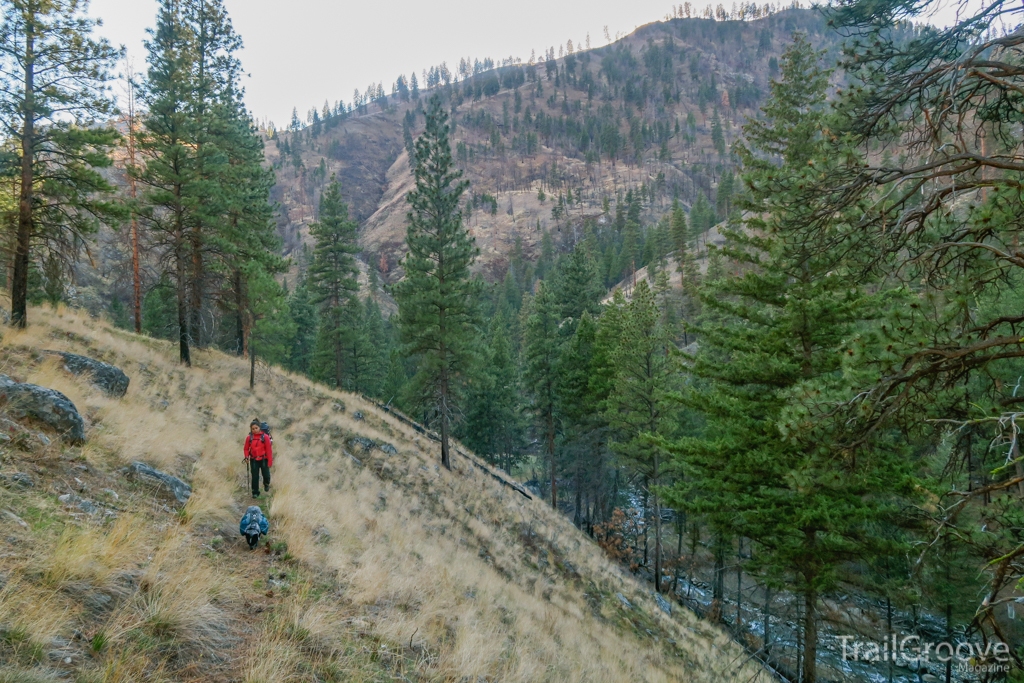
x=267 y=488
x=256 y=495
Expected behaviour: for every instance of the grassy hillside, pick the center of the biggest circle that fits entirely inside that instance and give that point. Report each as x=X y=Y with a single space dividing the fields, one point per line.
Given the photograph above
x=380 y=565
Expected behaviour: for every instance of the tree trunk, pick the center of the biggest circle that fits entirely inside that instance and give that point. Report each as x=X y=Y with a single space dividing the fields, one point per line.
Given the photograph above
x=446 y=459
x=718 y=592
x=133 y=193
x=551 y=457
x=182 y=295
x=810 y=636
x=767 y=621
x=241 y=333
x=19 y=290
x=252 y=365
x=739 y=582
x=136 y=273
x=657 y=544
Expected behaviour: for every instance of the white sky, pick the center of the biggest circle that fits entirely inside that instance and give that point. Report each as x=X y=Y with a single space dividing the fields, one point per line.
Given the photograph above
x=299 y=53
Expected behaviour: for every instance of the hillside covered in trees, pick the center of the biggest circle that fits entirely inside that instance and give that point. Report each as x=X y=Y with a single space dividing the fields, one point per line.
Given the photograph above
x=550 y=142
x=738 y=295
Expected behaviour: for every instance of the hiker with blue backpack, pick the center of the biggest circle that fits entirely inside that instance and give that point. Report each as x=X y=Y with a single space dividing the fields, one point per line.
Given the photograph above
x=253 y=525
x=259 y=453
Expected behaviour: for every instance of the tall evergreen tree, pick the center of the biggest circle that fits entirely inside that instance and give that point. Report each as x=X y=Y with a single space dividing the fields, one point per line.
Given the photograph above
x=305 y=320
x=437 y=300
x=166 y=145
x=494 y=422
x=54 y=76
x=332 y=277
x=540 y=351
x=638 y=406
x=769 y=467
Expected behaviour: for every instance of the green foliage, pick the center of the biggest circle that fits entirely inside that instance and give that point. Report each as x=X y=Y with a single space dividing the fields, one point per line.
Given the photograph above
x=437 y=300
x=495 y=421
x=54 y=94
x=332 y=280
x=160 y=310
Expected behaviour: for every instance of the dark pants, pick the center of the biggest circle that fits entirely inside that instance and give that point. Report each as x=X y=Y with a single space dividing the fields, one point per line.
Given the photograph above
x=255 y=467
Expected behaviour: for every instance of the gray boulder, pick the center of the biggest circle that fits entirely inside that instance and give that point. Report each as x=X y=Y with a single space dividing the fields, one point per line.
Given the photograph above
x=182 y=491
x=46 y=405
x=110 y=379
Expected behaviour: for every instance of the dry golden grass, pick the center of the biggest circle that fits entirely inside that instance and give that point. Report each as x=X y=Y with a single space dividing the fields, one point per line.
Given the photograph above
x=407 y=567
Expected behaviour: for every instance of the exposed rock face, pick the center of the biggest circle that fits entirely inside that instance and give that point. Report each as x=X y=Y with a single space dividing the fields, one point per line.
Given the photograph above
x=46 y=405
x=181 y=491
x=107 y=377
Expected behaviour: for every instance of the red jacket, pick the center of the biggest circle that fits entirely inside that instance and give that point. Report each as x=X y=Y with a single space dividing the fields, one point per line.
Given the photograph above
x=260 y=449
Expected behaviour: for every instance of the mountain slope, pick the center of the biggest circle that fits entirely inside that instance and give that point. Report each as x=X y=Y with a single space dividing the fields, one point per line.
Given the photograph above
x=381 y=566
x=584 y=129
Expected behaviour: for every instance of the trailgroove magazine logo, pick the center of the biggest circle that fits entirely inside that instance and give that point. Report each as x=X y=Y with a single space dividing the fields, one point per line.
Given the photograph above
x=911 y=650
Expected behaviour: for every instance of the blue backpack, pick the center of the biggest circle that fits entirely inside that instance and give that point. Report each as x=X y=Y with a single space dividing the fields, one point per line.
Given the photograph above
x=253 y=525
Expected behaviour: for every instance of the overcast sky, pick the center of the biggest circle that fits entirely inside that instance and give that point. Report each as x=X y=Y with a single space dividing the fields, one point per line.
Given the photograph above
x=299 y=53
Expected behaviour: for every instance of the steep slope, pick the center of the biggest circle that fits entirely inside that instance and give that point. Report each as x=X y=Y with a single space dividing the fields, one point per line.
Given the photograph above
x=380 y=566
x=582 y=129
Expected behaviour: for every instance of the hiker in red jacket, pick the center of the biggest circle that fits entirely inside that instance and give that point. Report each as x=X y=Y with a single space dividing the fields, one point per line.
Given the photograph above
x=259 y=453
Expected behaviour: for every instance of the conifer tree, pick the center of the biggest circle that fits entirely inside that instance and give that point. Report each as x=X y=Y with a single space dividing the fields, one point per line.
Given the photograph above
x=54 y=76
x=332 y=277
x=638 y=405
x=245 y=236
x=578 y=289
x=219 y=145
x=166 y=144
x=768 y=467
x=437 y=306
x=305 y=320
x=494 y=423
x=540 y=352
x=717 y=134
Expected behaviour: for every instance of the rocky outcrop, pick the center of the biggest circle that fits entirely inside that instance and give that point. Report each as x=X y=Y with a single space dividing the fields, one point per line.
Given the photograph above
x=46 y=405
x=110 y=379
x=179 y=489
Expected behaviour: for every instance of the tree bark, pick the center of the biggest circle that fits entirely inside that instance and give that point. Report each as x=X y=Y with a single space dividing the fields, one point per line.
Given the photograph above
x=551 y=457
x=182 y=296
x=252 y=365
x=19 y=290
x=446 y=459
x=133 y=193
x=810 y=635
x=657 y=544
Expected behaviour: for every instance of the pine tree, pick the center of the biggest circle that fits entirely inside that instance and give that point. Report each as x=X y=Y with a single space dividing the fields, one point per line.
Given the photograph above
x=437 y=299
x=717 y=134
x=54 y=93
x=332 y=279
x=305 y=321
x=166 y=144
x=638 y=405
x=577 y=289
x=247 y=246
x=540 y=353
x=494 y=423
x=220 y=127
x=768 y=466
x=723 y=197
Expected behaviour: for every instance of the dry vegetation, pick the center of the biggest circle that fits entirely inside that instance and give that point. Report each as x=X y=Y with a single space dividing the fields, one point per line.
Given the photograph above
x=382 y=566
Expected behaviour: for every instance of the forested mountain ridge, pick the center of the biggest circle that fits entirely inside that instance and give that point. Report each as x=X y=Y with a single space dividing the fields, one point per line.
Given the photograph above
x=550 y=143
